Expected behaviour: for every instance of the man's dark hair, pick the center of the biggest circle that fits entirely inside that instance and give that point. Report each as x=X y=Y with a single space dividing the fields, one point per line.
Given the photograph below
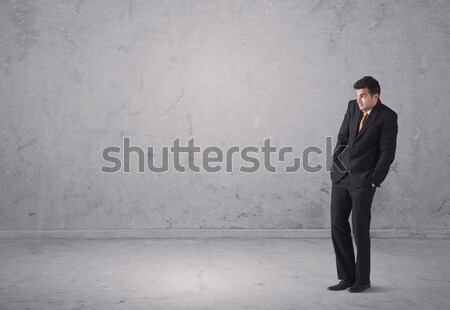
x=369 y=83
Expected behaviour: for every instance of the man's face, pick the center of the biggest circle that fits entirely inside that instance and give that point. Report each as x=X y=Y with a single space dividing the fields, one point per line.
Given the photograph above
x=365 y=100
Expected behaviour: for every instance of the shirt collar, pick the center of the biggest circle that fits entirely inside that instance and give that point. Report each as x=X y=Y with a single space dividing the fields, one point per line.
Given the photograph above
x=375 y=106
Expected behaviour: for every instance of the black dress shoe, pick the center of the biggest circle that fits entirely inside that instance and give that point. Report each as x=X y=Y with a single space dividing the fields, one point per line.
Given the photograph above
x=340 y=286
x=359 y=287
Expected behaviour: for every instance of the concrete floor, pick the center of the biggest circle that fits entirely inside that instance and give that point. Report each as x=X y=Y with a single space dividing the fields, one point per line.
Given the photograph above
x=215 y=274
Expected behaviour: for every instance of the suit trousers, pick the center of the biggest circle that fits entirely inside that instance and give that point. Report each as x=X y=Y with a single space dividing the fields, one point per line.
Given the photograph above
x=357 y=201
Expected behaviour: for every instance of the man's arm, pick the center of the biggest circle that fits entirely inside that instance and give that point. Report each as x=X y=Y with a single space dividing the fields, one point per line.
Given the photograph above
x=388 y=143
x=342 y=139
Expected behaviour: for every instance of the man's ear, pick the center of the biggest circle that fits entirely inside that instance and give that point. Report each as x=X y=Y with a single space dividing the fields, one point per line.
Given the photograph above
x=375 y=97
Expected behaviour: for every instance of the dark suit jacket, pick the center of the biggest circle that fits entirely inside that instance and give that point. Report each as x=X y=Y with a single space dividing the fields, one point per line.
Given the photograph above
x=366 y=155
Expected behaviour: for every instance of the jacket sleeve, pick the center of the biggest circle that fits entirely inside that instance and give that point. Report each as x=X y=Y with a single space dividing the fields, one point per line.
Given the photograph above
x=388 y=143
x=343 y=136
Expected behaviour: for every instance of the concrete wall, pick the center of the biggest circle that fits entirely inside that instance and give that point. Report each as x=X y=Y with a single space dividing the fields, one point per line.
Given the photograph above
x=78 y=76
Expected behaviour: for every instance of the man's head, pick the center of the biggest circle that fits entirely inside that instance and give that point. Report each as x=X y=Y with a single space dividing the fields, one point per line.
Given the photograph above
x=367 y=92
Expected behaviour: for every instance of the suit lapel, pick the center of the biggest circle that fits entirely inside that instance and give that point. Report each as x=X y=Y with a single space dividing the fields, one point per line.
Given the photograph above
x=355 y=123
x=372 y=116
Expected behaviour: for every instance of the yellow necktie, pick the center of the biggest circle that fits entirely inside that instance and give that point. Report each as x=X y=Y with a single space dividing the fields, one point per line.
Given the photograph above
x=362 y=121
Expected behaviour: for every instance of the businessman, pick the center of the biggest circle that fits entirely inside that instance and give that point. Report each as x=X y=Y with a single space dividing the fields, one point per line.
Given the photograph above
x=364 y=151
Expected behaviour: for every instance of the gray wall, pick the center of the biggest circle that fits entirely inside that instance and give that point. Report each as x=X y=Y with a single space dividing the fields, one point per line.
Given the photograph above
x=78 y=76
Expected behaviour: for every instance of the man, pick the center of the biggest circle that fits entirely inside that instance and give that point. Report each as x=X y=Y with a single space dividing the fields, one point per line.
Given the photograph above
x=364 y=151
